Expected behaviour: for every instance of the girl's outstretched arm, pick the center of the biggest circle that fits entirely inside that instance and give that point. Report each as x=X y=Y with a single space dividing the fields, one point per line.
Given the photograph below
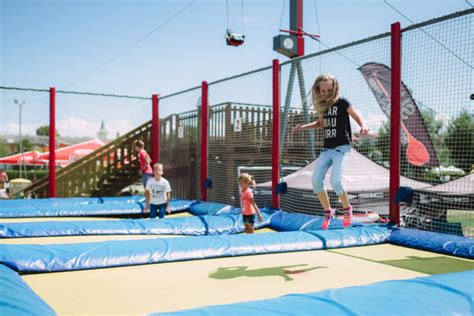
x=363 y=129
x=319 y=123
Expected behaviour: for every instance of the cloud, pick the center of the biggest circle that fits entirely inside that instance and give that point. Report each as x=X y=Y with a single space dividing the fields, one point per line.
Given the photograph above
x=77 y=127
x=12 y=129
x=73 y=127
x=121 y=126
x=375 y=121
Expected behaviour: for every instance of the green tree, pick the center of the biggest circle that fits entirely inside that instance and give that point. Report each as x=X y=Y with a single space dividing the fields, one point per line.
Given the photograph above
x=44 y=131
x=383 y=141
x=433 y=125
x=460 y=140
x=437 y=135
x=3 y=149
x=26 y=143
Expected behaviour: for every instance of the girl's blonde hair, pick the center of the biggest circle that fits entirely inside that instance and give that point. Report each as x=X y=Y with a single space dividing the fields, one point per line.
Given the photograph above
x=321 y=106
x=139 y=143
x=247 y=178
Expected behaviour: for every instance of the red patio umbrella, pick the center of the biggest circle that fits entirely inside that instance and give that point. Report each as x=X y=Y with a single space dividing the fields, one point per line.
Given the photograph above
x=69 y=154
x=27 y=158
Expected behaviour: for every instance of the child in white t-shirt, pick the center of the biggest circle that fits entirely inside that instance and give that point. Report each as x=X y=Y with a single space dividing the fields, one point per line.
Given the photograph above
x=5 y=194
x=157 y=193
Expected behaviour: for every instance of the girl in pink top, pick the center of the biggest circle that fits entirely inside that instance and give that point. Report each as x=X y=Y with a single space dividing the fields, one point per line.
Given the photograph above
x=145 y=168
x=3 y=178
x=249 y=208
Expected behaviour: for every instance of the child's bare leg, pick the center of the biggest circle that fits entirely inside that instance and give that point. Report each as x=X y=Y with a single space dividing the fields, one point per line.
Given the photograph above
x=248 y=229
x=324 y=199
x=344 y=200
x=328 y=212
x=347 y=207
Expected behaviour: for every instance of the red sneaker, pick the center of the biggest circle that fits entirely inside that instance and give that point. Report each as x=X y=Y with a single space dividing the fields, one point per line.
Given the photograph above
x=346 y=221
x=327 y=219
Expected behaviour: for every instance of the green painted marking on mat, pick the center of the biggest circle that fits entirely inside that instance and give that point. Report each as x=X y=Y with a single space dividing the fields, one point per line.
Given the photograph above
x=433 y=265
x=243 y=271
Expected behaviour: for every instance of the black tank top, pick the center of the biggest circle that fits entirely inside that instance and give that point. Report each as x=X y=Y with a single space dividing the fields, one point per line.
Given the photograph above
x=337 y=126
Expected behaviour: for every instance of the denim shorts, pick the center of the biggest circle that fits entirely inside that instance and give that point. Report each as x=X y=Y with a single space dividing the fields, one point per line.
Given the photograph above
x=157 y=210
x=145 y=178
x=249 y=219
x=335 y=157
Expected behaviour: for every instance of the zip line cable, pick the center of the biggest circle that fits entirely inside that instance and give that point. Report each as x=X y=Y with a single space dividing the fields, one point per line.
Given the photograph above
x=135 y=43
x=429 y=35
x=77 y=93
x=121 y=53
x=319 y=33
x=242 y=15
x=227 y=12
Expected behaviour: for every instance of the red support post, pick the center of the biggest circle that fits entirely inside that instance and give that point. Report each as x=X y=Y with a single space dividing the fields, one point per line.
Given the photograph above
x=276 y=133
x=204 y=137
x=155 y=130
x=52 y=143
x=395 y=121
x=299 y=19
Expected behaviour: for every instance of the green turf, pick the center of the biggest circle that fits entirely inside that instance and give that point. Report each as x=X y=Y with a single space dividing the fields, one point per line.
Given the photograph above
x=433 y=265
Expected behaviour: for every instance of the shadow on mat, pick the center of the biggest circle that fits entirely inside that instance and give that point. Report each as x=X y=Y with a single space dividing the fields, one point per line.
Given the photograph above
x=243 y=271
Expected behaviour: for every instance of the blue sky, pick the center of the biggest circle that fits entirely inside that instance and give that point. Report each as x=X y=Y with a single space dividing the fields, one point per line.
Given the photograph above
x=56 y=43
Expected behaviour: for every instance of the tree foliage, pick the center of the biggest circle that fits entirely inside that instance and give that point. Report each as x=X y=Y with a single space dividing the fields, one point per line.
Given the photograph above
x=459 y=140
x=44 y=131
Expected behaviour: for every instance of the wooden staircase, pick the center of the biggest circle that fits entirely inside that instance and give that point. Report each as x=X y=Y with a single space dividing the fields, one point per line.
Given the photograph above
x=104 y=172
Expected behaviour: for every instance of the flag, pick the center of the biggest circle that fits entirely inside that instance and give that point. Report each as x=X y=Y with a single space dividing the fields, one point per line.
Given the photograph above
x=419 y=146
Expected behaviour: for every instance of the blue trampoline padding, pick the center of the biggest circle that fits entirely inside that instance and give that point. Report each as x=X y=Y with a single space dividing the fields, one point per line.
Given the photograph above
x=72 y=210
x=193 y=226
x=70 y=201
x=178 y=205
x=123 y=199
x=210 y=208
x=49 y=202
x=443 y=294
x=17 y=298
x=65 y=257
x=284 y=221
x=113 y=208
x=436 y=242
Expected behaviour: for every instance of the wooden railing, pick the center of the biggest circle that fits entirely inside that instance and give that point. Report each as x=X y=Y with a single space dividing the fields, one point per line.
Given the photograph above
x=91 y=174
x=113 y=167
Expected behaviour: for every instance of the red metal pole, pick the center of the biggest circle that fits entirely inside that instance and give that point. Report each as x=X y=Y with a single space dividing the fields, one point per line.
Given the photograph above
x=155 y=130
x=204 y=131
x=52 y=143
x=276 y=133
x=300 y=38
x=395 y=122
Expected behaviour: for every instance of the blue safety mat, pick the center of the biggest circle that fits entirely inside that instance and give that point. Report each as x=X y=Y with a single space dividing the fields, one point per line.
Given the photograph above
x=123 y=199
x=114 y=207
x=71 y=201
x=49 y=202
x=72 y=210
x=63 y=257
x=210 y=208
x=17 y=298
x=193 y=226
x=443 y=294
x=435 y=242
x=285 y=221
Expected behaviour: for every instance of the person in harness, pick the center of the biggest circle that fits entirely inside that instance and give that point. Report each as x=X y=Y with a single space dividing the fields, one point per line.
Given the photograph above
x=234 y=39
